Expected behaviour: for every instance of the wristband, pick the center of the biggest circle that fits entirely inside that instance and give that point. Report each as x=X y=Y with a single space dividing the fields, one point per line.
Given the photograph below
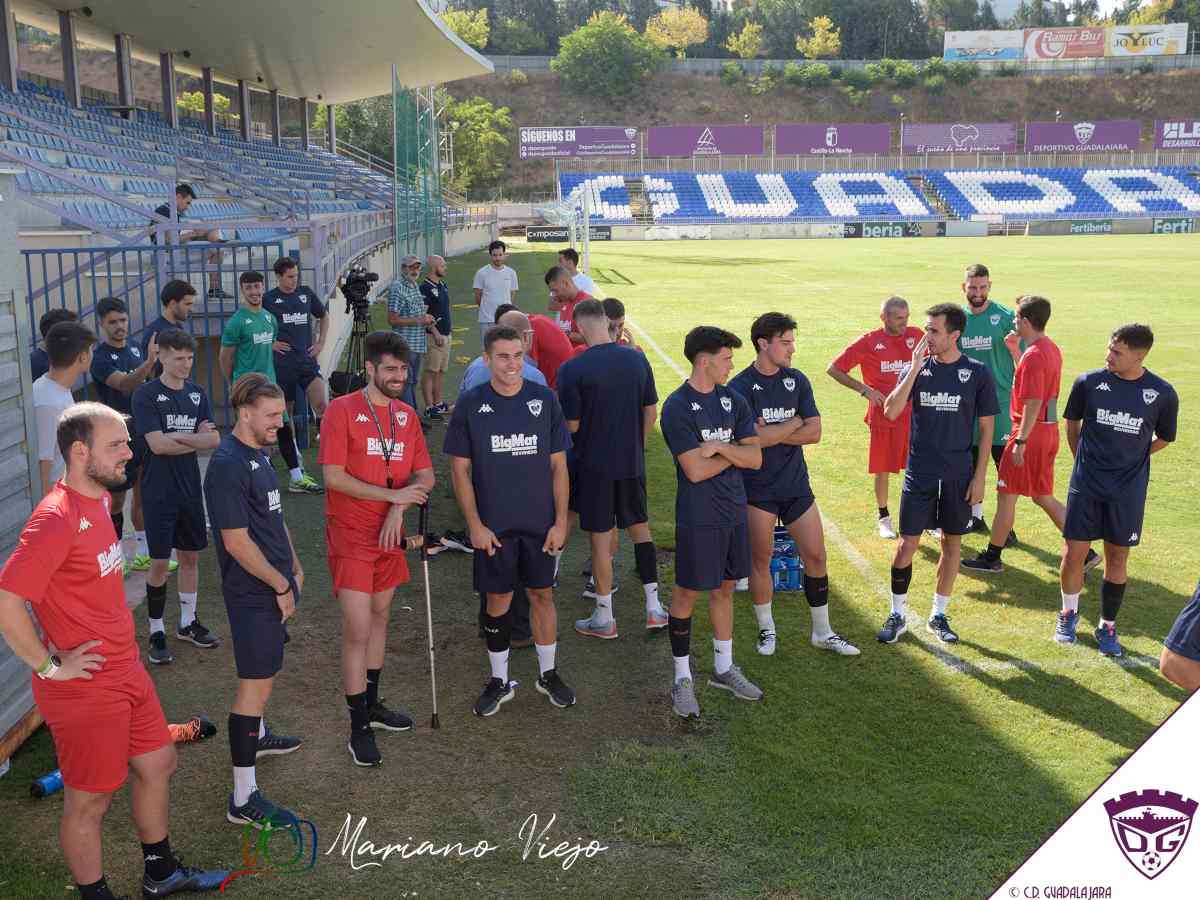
x=284 y=592
x=1020 y=442
x=863 y=392
x=48 y=669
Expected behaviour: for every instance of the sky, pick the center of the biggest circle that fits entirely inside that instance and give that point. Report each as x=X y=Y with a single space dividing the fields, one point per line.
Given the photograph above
x=1005 y=8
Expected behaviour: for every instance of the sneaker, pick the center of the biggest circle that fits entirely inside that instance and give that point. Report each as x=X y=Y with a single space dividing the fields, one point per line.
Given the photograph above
x=1093 y=559
x=443 y=407
x=657 y=619
x=389 y=720
x=305 y=484
x=895 y=626
x=590 y=590
x=197 y=728
x=736 y=683
x=978 y=526
x=766 y=642
x=940 y=625
x=1011 y=540
x=555 y=689
x=141 y=563
x=260 y=812
x=742 y=584
x=199 y=635
x=886 y=531
x=836 y=643
x=935 y=533
x=1106 y=637
x=433 y=414
x=159 y=654
x=1064 y=631
x=591 y=628
x=362 y=748
x=982 y=563
x=126 y=568
x=683 y=699
x=495 y=693
x=457 y=540
x=271 y=744
x=184 y=878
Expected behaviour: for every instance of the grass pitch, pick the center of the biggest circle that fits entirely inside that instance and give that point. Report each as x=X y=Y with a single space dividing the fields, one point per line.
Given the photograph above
x=912 y=770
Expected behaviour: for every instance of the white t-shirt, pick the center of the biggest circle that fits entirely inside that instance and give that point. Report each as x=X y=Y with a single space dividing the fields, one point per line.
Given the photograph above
x=584 y=283
x=49 y=400
x=497 y=286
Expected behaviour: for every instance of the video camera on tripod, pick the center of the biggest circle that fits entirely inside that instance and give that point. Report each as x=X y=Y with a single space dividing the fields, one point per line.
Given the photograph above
x=356 y=288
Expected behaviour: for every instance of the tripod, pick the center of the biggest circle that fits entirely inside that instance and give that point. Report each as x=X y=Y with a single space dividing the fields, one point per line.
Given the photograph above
x=353 y=376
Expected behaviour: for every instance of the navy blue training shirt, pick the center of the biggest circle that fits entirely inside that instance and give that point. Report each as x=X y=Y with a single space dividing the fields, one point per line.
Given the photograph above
x=108 y=360
x=292 y=311
x=1120 y=421
x=605 y=388
x=437 y=303
x=509 y=441
x=39 y=363
x=689 y=418
x=775 y=399
x=946 y=400
x=157 y=407
x=241 y=491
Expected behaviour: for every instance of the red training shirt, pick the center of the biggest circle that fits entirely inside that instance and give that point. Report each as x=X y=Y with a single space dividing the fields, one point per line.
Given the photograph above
x=350 y=439
x=883 y=358
x=1038 y=377
x=551 y=347
x=566 y=312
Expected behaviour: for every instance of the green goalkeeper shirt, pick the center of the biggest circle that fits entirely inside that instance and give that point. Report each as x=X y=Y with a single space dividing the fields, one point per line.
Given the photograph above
x=983 y=340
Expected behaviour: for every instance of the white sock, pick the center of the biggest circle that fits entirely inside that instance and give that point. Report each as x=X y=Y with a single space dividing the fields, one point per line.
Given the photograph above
x=820 y=621
x=557 y=560
x=652 y=604
x=499 y=662
x=602 y=615
x=157 y=625
x=900 y=604
x=297 y=473
x=683 y=667
x=940 y=602
x=262 y=728
x=545 y=657
x=187 y=609
x=243 y=784
x=762 y=612
x=722 y=655
x=1071 y=602
x=977 y=510
x=143 y=549
x=1107 y=623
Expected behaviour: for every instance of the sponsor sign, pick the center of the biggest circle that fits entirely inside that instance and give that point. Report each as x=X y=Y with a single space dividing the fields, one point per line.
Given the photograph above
x=1091 y=226
x=1064 y=43
x=705 y=140
x=554 y=142
x=983 y=45
x=1173 y=226
x=1180 y=135
x=961 y=137
x=560 y=234
x=1076 y=137
x=832 y=139
x=1147 y=40
x=881 y=229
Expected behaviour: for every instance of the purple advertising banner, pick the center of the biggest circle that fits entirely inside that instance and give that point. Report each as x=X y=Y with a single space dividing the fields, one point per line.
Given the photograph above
x=832 y=139
x=705 y=140
x=1083 y=137
x=961 y=137
x=1178 y=134
x=558 y=142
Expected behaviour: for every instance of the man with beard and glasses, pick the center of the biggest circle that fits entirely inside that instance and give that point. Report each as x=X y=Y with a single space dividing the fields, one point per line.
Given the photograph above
x=376 y=465
x=90 y=687
x=261 y=579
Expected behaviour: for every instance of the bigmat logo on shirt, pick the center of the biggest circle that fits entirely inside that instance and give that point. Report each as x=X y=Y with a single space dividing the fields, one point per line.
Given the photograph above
x=274 y=504
x=893 y=366
x=298 y=318
x=264 y=337
x=1119 y=421
x=181 y=423
x=111 y=560
x=717 y=434
x=981 y=342
x=515 y=444
x=942 y=401
x=376 y=447
x=775 y=414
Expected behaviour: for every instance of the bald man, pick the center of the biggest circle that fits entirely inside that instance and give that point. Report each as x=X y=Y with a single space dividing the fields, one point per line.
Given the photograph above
x=437 y=352
x=477 y=372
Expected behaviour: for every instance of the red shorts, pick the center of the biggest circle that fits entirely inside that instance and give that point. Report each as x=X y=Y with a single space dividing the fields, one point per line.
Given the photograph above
x=1035 y=478
x=357 y=564
x=889 y=448
x=99 y=725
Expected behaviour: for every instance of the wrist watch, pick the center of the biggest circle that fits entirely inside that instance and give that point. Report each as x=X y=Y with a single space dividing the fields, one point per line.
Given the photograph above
x=48 y=669
x=1020 y=441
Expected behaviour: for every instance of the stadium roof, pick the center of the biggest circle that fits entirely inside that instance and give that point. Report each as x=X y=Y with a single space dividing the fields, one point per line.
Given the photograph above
x=341 y=50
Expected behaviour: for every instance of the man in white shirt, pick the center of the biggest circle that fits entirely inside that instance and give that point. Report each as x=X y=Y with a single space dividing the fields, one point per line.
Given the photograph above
x=569 y=260
x=69 y=346
x=494 y=284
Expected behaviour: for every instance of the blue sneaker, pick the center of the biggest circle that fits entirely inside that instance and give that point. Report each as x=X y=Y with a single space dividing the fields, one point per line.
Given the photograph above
x=940 y=625
x=260 y=812
x=1064 y=631
x=184 y=878
x=1107 y=639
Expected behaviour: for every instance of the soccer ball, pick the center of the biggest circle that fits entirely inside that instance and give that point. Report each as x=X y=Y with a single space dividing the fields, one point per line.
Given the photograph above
x=1151 y=861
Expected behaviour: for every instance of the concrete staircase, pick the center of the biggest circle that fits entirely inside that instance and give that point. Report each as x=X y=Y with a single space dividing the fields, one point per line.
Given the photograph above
x=639 y=203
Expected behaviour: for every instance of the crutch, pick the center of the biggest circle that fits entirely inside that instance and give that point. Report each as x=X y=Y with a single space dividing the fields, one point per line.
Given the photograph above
x=424 y=531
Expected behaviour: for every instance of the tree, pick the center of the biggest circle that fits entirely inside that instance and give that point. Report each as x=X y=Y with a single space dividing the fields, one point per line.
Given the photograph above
x=367 y=124
x=747 y=43
x=678 y=27
x=606 y=57
x=515 y=38
x=481 y=141
x=640 y=12
x=955 y=15
x=987 y=17
x=782 y=20
x=193 y=101
x=826 y=40
x=472 y=27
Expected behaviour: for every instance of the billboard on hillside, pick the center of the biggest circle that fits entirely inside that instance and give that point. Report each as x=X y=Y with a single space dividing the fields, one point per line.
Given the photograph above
x=1147 y=40
x=983 y=45
x=832 y=139
x=960 y=137
x=560 y=142
x=1064 y=43
x=1177 y=135
x=1083 y=137
x=704 y=140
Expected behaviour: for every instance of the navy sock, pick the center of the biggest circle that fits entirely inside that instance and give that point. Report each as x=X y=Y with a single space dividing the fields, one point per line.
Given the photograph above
x=883 y=512
x=118 y=520
x=160 y=862
x=498 y=631
x=993 y=552
x=645 y=560
x=373 y=686
x=1111 y=596
x=681 y=635
x=97 y=890
x=287 y=446
x=360 y=713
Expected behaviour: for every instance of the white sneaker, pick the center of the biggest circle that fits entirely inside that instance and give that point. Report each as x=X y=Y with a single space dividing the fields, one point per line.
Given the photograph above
x=743 y=584
x=886 y=531
x=935 y=533
x=837 y=644
x=766 y=642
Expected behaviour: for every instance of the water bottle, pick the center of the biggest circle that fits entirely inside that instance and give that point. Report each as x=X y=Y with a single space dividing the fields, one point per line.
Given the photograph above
x=793 y=573
x=778 y=572
x=47 y=785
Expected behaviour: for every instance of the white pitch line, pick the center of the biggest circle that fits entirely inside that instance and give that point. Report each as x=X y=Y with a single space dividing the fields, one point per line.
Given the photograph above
x=951 y=661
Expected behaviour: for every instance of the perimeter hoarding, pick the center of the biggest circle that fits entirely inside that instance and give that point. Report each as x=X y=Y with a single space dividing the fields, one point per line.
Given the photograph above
x=1147 y=40
x=982 y=46
x=1064 y=43
x=563 y=142
x=705 y=140
x=960 y=137
x=832 y=139
x=1177 y=135
x=1083 y=137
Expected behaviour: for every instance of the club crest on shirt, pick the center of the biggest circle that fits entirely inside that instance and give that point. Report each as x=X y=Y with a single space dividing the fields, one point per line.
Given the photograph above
x=135 y=351
x=535 y=407
x=789 y=383
x=910 y=342
x=994 y=318
x=1149 y=396
x=402 y=419
x=964 y=375
x=194 y=397
x=726 y=404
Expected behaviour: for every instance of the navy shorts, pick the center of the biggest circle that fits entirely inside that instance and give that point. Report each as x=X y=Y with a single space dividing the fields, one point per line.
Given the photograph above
x=604 y=503
x=1118 y=522
x=258 y=635
x=296 y=372
x=787 y=511
x=1184 y=637
x=174 y=523
x=707 y=557
x=930 y=502
x=519 y=560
